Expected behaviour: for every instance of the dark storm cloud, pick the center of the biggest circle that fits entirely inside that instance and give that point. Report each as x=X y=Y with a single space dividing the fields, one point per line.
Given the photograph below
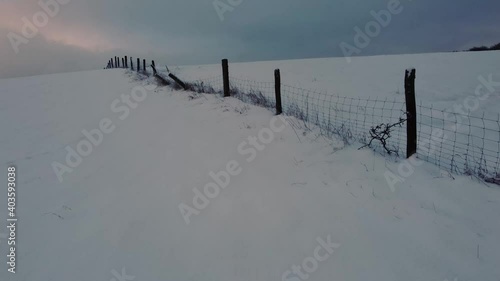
x=191 y=32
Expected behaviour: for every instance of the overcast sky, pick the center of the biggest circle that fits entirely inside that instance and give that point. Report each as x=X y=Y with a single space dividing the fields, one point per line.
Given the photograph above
x=84 y=34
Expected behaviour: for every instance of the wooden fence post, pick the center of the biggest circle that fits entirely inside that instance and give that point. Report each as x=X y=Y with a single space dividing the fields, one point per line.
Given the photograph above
x=138 y=64
x=131 y=64
x=154 y=68
x=123 y=62
x=277 y=90
x=411 y=111
x=178 y=81
x=144 y=64
x=126 y=62
x=153 y=64
x=225 y=76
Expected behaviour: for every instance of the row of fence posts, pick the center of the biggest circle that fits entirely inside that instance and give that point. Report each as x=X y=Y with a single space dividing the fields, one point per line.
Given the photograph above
x=115 y=63
x=409 y=82
x=411 y=110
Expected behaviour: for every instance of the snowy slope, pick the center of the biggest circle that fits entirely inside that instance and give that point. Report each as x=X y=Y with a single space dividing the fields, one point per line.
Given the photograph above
x=458 y=96
x=443 y=79
x=118 y=211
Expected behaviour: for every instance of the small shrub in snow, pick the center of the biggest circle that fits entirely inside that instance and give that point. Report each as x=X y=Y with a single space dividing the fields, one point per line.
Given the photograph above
x=382 y=133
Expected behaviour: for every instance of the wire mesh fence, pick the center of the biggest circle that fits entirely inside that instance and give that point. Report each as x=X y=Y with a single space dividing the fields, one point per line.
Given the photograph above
x=347 y=117
x=462 y=144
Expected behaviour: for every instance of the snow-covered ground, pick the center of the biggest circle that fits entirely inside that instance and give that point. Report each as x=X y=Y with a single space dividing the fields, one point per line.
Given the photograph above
x=297 y=206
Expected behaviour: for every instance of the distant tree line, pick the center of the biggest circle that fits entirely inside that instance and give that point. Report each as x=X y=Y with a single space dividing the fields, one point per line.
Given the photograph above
x=484 y=48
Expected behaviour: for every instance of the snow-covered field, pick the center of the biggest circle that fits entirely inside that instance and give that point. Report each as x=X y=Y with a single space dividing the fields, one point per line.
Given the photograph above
x=443 y=79
x=295 y=206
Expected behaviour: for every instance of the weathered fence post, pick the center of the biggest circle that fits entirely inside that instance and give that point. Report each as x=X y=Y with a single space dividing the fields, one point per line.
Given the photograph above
x=277 y=90
x=126 y=62
x=144 y=64
x=411 y=111
x=177 y=80
x=123 y=62
x=154 y=69
x=138 y=64
x=131 y=64
x=116 y=62
x=153 y=64
x=225 y=76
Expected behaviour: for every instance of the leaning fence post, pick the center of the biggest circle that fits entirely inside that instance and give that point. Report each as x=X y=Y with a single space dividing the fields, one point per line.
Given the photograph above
x=277 y=90
x=225 y=76
x=411 y=111
x=177 y=80
x=138 y=64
